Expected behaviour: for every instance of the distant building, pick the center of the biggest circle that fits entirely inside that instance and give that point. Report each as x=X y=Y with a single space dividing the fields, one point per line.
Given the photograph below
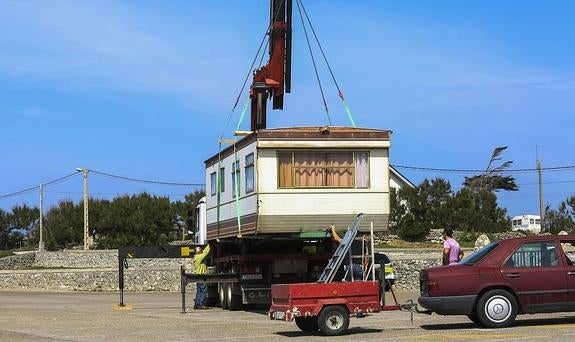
x=531 y=223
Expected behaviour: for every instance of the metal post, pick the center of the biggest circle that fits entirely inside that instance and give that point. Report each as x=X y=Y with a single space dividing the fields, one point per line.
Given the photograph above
x=372 y=252
x=86 y=223
x=41 y=240
x=541 y=209
x=121 y=264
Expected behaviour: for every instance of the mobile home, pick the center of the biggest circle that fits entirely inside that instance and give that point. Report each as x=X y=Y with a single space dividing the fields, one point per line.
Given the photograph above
x=292 y=180
x=531 y=223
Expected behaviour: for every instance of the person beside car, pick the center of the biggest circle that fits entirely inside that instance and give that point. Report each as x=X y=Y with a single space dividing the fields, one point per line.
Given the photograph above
x=452 y=252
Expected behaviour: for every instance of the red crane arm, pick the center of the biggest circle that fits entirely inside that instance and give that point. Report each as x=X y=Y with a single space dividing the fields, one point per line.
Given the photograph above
x=273 y=79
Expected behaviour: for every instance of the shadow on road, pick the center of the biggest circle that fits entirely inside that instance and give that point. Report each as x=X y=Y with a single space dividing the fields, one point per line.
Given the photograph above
x=518 y=323
x=351 y=331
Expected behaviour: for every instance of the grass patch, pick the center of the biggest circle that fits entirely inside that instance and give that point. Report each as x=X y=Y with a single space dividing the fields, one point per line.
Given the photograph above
x=5 y=254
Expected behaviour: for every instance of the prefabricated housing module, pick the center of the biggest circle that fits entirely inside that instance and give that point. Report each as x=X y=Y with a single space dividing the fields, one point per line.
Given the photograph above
x=298 y=179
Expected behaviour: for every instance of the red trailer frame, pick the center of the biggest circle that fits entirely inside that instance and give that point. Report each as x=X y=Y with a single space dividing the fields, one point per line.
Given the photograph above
x=327 y=306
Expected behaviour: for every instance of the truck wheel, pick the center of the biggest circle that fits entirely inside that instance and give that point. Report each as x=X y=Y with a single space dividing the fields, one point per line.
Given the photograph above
x=223 y=298
x=307 y=324
x=333 y=320
x=213 y=295
x=234 y=301
x=497 y=309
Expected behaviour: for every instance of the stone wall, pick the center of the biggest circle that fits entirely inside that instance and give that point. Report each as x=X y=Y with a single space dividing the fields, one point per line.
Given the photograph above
x=98 y=271
x=87 y=271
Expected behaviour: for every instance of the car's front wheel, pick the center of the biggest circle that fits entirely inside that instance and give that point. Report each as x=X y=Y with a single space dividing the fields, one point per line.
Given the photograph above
x=497 y=309
x=473 y=317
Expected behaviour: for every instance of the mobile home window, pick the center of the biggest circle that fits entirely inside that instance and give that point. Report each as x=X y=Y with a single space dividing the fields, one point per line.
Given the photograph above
x=222 y=179
x=249 y=173
x=213 y=183
x=235 y=178
x=323 y=169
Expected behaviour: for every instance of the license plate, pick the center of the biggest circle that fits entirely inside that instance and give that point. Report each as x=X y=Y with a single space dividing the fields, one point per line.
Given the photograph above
x=252 y=276
x=279 y=315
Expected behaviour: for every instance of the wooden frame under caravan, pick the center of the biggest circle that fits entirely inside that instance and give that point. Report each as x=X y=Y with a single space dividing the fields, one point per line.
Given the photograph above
x=298 y=179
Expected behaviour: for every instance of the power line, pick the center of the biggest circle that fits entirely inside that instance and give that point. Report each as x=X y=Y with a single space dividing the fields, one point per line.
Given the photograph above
x=556 y=168
x=37 y=188
x=111 y=193
x=21 y=192
x=144 y=180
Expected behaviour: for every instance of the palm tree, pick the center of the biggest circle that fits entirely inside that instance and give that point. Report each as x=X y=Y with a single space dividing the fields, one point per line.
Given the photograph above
x=492 y=179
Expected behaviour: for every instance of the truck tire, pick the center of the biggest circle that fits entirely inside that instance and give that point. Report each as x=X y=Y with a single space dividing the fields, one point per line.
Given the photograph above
x=333 y=320
x=307 y=324
x=223 y=295
x=234 y=301
x=497 y=309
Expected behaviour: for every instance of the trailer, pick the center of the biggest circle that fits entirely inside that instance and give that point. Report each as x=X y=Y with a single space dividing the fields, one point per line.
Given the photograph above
x=328 y=306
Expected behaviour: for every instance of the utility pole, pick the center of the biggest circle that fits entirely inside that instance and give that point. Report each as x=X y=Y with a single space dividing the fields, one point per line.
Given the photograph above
x=41 y=242
x=86 y=223
x=541 y=209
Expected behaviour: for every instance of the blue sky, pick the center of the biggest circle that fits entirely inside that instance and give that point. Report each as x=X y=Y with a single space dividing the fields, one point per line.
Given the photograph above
x=144 y=89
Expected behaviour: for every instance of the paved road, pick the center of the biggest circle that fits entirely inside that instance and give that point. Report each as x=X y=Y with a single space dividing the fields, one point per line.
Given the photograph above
x=155 y=316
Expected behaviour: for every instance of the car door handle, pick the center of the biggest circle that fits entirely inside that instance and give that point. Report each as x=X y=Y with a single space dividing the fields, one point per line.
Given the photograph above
x=513 y=275
x=570 y=273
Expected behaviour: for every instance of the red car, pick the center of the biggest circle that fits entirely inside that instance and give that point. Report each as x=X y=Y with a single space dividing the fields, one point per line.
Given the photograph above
x=503 y=279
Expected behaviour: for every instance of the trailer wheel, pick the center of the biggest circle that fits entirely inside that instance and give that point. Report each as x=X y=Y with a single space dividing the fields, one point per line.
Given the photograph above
x=333 y=320
x=223 y=298
x=307 y=324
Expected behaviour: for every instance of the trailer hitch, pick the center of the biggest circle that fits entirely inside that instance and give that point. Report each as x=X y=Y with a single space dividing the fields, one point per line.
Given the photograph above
x=413 y=308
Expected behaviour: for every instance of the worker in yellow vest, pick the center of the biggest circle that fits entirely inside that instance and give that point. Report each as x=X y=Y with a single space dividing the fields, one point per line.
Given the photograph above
x=201 y=268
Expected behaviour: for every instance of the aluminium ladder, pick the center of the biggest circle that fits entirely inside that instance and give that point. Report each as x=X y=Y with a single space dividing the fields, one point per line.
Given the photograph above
x=341 y=252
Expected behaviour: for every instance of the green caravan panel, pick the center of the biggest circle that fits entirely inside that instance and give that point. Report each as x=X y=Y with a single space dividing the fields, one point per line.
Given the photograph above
x=314 y=235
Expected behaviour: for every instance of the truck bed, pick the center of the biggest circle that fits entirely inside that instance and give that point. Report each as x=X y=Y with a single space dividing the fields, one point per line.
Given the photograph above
x=307 y=299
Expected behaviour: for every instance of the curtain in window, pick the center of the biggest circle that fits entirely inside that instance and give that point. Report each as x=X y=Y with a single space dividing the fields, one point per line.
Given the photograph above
x=309 y=169
x=361 y=170
x=285 y=175
x=339 y=169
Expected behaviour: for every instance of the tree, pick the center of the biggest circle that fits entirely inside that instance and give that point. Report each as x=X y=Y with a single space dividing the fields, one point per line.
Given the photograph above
x=562 y=218
x=477 y=211
x=64 y=226
x=23 y=224
x=4 y=231
x=414 y=211
x=483 y=213
x=492 y=179
x=135 y=220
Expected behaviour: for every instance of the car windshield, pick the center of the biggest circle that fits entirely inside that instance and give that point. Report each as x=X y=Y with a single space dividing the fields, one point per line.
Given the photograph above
x=476 y=256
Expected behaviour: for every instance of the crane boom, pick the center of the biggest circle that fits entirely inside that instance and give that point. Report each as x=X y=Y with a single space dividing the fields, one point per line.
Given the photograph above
x=273 y=79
